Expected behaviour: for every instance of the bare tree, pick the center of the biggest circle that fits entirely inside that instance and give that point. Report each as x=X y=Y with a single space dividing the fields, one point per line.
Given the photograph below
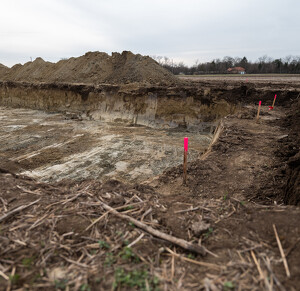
x=264 y=64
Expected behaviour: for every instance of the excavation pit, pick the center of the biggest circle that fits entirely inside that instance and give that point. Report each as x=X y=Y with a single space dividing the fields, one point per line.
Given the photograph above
x=237 y=189
x=55 y=131
x=51 y=147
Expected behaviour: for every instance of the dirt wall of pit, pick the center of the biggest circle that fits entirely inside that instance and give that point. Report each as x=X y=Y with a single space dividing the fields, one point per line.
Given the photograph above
x=154 y=106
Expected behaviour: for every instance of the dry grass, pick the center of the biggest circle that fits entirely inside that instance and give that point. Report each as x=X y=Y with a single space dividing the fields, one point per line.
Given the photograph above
x=70 y=241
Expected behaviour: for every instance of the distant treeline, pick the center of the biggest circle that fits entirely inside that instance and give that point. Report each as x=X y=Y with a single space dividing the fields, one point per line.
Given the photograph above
x=264 y=65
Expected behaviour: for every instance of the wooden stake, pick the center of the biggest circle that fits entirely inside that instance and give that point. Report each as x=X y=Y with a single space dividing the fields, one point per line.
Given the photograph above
x=274 y=101
x=282 y=253
x=272 y=107
x=185 y=160
x=257 y=116
x=184 y=167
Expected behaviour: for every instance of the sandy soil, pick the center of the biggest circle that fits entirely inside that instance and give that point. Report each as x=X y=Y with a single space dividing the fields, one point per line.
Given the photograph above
x=52 y=147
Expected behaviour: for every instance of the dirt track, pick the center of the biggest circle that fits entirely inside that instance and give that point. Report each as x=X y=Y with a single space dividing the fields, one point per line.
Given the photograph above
x=235 y=193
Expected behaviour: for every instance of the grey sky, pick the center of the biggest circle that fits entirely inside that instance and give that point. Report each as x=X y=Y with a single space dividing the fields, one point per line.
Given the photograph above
x=182 y=30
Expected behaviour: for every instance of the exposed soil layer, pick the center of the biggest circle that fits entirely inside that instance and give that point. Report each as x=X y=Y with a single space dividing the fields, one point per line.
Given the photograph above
x=93 y=68
x=233 y=200
x=53 y=147
x=154 y=106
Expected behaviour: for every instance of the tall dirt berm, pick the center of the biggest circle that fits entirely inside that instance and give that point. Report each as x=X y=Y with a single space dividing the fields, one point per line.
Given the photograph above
x=3 y=70
x=92 y=68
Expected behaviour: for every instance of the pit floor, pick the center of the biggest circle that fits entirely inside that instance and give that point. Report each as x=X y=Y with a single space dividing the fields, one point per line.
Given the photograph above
x=50 y=148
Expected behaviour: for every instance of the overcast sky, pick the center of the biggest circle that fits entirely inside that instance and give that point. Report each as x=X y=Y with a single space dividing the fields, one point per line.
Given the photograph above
x=185 y=31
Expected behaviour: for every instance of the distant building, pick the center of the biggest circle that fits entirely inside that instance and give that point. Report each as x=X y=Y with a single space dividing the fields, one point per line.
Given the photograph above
x=236 y=70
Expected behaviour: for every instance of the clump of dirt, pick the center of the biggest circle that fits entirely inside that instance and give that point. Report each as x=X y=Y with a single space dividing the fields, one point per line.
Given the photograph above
x=93 y=68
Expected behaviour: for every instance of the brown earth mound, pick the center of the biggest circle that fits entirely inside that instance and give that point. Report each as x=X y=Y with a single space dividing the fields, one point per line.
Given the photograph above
x=3 y=70
x=93 y=67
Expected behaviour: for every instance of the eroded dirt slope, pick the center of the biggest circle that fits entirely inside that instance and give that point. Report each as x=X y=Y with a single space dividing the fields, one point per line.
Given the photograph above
x=291 y=154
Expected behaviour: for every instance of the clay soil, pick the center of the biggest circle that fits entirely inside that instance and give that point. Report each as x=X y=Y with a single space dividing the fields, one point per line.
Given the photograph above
x=242 y=191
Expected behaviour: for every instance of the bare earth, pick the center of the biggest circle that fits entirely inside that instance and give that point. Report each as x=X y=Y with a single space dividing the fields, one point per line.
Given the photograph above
x=53 y=147
x=234 y=202
x=287 y=79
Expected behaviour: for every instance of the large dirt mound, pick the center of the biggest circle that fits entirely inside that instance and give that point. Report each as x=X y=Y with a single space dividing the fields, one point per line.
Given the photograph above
x=3 y=70
x=93 y=67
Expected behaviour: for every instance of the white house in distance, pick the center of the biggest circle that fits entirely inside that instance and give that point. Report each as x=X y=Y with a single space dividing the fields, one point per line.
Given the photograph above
x=236 y=70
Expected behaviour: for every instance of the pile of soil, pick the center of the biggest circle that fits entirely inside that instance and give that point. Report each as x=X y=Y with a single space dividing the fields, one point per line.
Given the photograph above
x=3 y=70
x=93 y=68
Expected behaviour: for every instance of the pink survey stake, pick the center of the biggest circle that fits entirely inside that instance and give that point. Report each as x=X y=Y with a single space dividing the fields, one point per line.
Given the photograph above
x=186 y=142
x=259 y=103
x=272 y=107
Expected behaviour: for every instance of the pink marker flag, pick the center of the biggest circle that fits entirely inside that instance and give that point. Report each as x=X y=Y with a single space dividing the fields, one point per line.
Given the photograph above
x=275 y=97
x=259 y=103
x=186 y=142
